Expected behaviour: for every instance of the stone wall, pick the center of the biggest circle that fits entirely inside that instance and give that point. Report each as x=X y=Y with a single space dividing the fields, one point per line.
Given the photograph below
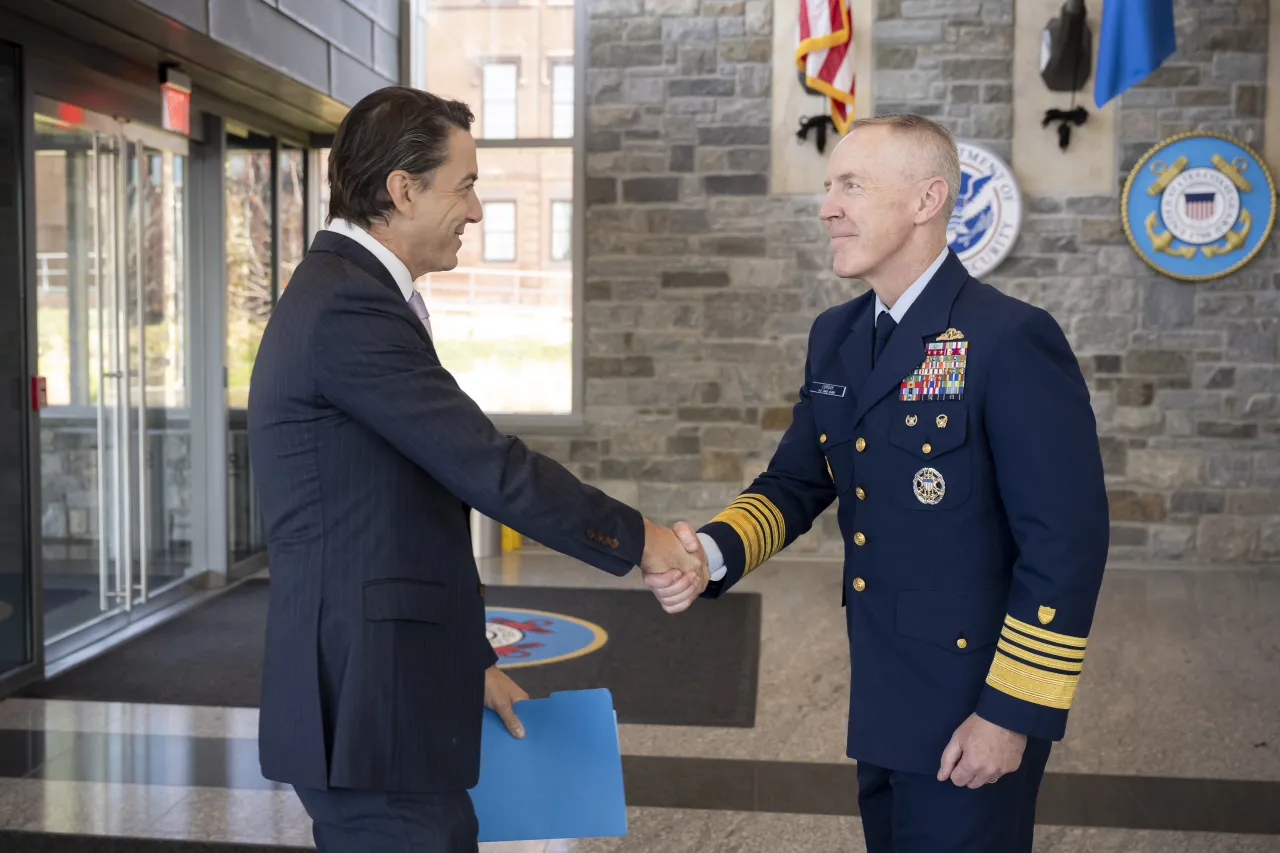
x=69 y=486
x=700 y=288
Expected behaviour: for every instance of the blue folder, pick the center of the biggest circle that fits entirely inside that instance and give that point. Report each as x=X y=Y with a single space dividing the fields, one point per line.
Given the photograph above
x=562 y=780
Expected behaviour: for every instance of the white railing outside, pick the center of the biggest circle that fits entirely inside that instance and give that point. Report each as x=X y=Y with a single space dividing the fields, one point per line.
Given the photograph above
x=53 y=265
x=536 y=291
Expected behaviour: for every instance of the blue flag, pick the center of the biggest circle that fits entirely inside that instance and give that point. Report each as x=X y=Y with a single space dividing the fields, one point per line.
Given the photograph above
x=1136 y=36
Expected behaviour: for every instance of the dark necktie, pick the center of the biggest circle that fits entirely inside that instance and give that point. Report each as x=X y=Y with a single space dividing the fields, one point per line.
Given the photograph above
x=885 y=325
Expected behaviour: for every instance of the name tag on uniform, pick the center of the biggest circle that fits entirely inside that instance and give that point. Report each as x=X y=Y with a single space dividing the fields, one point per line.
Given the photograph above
x=827 y=389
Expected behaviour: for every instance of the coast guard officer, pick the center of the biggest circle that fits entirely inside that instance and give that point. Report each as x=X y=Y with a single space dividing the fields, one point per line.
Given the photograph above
x=953 y=424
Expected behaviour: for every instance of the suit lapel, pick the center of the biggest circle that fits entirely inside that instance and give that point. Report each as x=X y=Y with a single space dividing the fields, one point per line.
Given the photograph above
x=340 y=244
x=924 y=320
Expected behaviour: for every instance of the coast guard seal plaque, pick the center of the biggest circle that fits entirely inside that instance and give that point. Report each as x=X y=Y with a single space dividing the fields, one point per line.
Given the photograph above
x=988 y=214
x=533 y=637
x=1198 y=206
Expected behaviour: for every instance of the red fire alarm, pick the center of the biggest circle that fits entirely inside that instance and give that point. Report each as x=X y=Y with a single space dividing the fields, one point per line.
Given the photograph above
x=39 y=393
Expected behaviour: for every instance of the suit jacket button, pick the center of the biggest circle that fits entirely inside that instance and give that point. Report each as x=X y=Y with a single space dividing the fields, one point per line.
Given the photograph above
x=861 y=444
x=859 y=584
x=859 y=539
x=823 y=438
x=862 y=496
x=962 y=643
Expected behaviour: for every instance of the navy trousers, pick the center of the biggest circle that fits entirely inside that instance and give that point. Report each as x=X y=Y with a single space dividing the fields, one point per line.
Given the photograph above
x=346 y=821
x=913 y=813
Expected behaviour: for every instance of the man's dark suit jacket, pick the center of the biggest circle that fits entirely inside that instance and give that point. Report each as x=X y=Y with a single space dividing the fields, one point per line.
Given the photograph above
x=367 y=456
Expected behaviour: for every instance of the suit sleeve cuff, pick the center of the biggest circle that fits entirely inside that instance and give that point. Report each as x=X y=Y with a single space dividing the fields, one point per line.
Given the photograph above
x=1021 y=716
x=1033 y=679
x=732 y=554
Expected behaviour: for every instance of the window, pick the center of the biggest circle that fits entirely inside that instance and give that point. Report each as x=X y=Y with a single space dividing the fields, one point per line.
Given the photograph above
x=293 y=230
x=250 y=233
x=498 y=93
x=561 y=230
x=499 y=226
x=562 y=100
x=507 y=308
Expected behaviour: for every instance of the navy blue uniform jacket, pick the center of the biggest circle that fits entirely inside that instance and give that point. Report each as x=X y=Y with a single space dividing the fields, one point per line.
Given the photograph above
x=367 y=456
x=972 y=506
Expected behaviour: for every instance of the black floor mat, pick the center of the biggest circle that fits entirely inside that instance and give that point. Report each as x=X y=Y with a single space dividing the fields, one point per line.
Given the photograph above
x=697 y=668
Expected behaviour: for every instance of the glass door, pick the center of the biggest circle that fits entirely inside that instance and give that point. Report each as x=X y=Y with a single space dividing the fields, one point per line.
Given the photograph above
x=112 y=323
x=83 y=483
x=156 y=315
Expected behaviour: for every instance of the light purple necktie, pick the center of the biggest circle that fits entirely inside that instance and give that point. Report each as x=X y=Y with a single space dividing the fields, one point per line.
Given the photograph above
x=420 y=309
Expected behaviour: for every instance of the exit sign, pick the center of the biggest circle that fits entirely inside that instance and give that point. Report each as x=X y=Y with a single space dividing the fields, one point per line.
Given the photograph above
x=175 y=94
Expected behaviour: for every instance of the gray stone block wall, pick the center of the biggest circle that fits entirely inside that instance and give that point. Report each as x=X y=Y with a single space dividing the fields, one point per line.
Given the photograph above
x=700 y=287
x=69 y=485
x=344 y=48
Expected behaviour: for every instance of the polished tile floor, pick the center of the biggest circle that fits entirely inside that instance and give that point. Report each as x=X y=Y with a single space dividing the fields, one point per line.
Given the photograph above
x=1174 y=743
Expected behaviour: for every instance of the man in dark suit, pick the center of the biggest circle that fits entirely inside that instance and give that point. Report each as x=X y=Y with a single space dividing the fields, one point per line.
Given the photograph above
x=953 y=424
x=368 y=456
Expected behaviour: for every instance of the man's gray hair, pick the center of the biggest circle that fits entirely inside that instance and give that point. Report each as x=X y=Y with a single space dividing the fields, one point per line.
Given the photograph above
x=937 y=153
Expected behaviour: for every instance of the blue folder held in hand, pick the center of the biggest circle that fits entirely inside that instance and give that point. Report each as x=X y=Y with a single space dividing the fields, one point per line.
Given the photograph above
x=562 y=780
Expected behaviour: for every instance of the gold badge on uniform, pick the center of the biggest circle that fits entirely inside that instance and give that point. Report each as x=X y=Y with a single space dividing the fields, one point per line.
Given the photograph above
x=1045 y=614
x=929 y=486
x=950 y=335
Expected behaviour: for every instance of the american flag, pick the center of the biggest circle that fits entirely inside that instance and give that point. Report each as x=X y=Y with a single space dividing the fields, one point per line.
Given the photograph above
x=1200 y=205
x=824 y=53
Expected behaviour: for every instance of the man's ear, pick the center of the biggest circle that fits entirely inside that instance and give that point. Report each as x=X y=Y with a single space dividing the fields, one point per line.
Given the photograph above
x=933 y=198
x=401 y=188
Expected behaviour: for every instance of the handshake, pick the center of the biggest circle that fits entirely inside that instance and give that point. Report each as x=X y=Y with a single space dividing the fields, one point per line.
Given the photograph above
x=674 y=565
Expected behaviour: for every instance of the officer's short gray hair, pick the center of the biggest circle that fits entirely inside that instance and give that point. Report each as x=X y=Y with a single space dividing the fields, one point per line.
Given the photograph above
x=936 y=147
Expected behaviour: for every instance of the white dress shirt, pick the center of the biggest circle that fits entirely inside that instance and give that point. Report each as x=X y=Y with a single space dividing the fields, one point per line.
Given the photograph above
x=715 y=559
x=395 y=266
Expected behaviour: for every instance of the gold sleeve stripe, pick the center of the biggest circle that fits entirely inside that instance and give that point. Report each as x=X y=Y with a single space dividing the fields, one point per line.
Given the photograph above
x=1050 y=689
x=776 y=522
x=1033 y=631
x=748 y=531
x=759 y=525
x=750 y=534
x=762 y=514
x=1039 y=660
x=763 y=532
x=1072 y=654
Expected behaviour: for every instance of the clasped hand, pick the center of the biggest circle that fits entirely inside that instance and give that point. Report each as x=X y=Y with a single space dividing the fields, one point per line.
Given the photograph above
x=674 y=567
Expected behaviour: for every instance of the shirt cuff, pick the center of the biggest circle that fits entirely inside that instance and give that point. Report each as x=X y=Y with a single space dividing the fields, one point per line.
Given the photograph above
x=715 y=560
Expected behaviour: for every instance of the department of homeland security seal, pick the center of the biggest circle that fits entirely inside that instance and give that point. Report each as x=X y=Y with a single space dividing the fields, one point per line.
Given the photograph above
x=1198 y=206
x=988 y=212
x=533 y=637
